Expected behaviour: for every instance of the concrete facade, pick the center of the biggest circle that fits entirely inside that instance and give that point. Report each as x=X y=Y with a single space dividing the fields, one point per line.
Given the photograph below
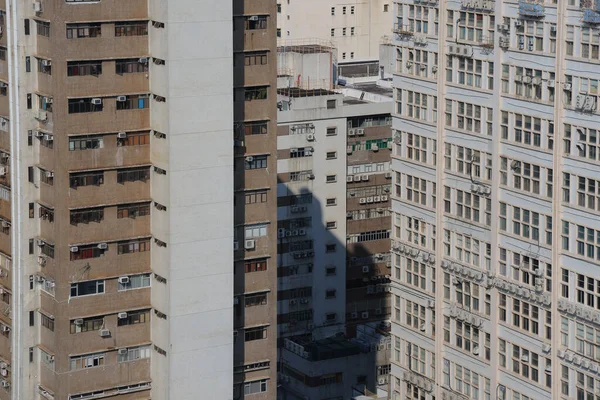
x=494 y=216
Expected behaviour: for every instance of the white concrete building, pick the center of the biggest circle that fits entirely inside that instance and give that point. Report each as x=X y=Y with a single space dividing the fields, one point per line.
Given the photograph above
x=356 y=26
x=495 y=280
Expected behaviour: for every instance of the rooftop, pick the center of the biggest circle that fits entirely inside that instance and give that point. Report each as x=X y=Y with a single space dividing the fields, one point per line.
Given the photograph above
x=324 y=349
x=305 y=49
x=372 y=87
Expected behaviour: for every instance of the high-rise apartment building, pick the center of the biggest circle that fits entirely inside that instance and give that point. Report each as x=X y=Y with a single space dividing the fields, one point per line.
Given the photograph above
x=334 y=237
x=123 y=132
x=496 y=232
x=356 y=26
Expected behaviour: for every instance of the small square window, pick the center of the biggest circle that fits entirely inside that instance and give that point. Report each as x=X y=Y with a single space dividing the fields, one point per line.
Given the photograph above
x=330 y=294
x=331 y=178
x=352 y=10
x=331 y=103
x=332 y=201
x=344 y=10
x=331 y=131
x=330 y=271
x=331 y=155
x=352 y=32
x=386 y=7
x=330 y=317
x=352 y=55
x=331 y=225
x=330 y=248
x=332 y=32
x=343 y=31
x=332 y=10
x=343 y=56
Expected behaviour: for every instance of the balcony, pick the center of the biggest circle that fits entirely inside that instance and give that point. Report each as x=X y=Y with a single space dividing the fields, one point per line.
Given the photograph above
x=402 y=30
x=111 y=374
x=106 y=303
x=530 y=9
x=478 y=5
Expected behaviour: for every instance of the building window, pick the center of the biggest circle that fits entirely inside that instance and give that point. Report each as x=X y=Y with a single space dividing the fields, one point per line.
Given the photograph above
x=77 y=106
x=83 y=30
x=331 y=178
x=86 y=361
x=332 y=10
x=255 y=93
x=135 y=282
x=331 y=155
x=330 y=248
x=84 y=68
x=87 y=324
x=46 y=214
x=255 y=231
x=133 y=210
x=331 y=131
x=255 y=162
x=130 y=65
x=344 y=10
x=331 y=104
x=135 y=28
x=386 y=7
x=134 y=318
x=43 y=28
x=47 y=322
x=258 y=196
x=332 y=201
x=257 y=299
x=343 y=31
x=255 y=128
x=44 y=66
x=85 y=142
x=133 y=175
x=352 y=34
x=255 y=22
x=255 y=265
x=255 y=58
x=331 y=225
x=255 y=387
x=134 y=102
x=135 y=139
x=133 y=246
x=133 y=353
x=258 y=333
x=86 y=179
x=87 y=288
x=332 y=32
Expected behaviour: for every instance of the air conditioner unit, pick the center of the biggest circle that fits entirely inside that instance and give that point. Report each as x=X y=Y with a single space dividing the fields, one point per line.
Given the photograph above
x=104 y=332
x=121 y=99
x=78 y=321
x=143 y=60
x=96 y=101
x=365 y=269
x=46 y=63
x=518 y=78
x=123 y=280
x=422 y=328
x=310 y=137
x=253 y=18
x=349 y=178
x=364 y=315
x=122 y=351
x=384 y=198
x=351 y=132
x=37 y=6
x=360 y=132
x=74 y=249
x=122 y=315
x=518 y=23
x=5 y=384
x=249 y=159
x=5 y=328
x=388 y=175
x=527 y=79
x=377 y=199
x=362 y=200
x=48 y=138
x=567 y=86
x=42 y=115
x=39 y=134
x=102 y=246
x=369 y=200
x=364 y=178
x=249 y=244
x=375 y=148
x=293 y=302
x=546 y=348
x=301 y=232
x=354 y=315
x=41 y=260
